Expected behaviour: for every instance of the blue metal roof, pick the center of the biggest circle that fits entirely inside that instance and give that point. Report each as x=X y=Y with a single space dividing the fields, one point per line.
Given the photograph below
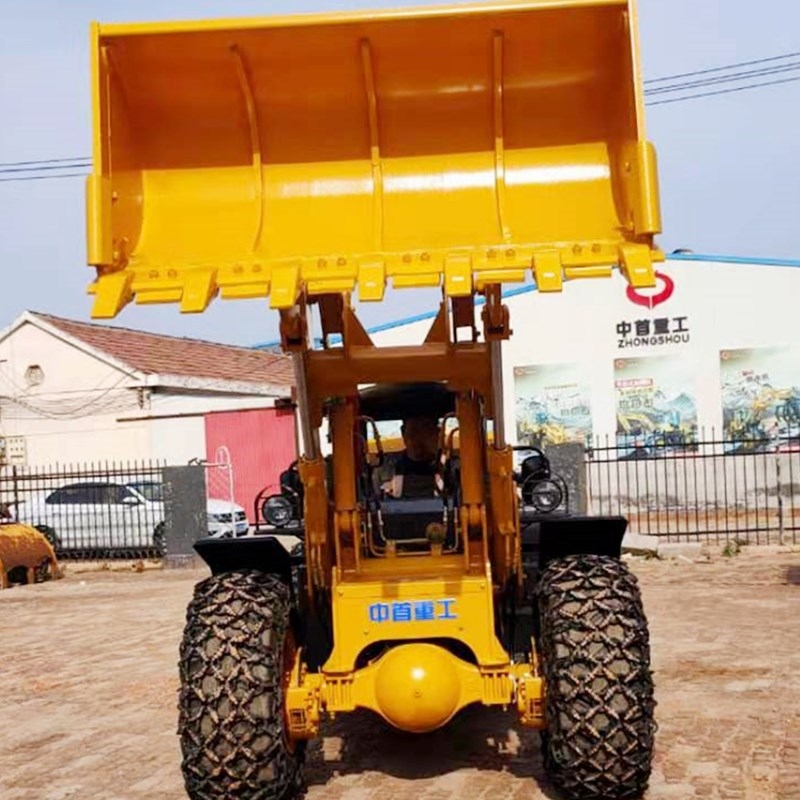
x=531 y=287
x=765 y=262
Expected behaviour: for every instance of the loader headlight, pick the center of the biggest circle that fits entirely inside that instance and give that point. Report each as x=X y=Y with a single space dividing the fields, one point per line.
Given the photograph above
x=546 y=496
x=277 y=510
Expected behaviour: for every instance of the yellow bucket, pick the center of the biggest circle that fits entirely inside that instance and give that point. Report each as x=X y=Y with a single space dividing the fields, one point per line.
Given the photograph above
x=453 y=146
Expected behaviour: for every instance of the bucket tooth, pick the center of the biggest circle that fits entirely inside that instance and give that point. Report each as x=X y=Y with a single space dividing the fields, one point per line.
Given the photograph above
x=285 y=285
x=458 y=276
x=547 y=271
x=637 y=265
x=199 y=289
x=371 y=281
x=112 y=292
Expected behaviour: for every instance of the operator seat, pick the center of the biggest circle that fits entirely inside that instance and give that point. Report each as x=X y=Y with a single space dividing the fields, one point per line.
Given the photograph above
x=408 y=515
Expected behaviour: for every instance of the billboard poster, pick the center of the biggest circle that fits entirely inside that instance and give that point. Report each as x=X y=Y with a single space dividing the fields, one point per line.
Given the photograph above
x=760 y=398
x=656 y=406
x=552 y=404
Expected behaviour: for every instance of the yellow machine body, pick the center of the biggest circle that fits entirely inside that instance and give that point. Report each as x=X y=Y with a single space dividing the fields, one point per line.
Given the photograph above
x=417 y=686
x=306 y=159
x=458 y=146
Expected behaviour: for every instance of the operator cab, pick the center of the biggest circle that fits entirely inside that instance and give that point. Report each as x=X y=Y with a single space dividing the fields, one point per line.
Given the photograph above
x=409 y=478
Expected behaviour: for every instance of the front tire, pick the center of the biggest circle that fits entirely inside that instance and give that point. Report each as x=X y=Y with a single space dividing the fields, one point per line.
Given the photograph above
x=236 y=645
x=599 y=740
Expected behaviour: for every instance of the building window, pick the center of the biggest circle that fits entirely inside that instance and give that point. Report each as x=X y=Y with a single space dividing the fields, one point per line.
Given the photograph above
x=34 y=375
x=12 y=450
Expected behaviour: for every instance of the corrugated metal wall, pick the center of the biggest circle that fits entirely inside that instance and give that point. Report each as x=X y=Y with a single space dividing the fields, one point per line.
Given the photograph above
x=261 y=443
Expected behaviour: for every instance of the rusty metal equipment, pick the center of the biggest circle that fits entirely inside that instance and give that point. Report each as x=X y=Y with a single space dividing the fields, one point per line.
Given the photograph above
x=24 y=547
x=310 y=160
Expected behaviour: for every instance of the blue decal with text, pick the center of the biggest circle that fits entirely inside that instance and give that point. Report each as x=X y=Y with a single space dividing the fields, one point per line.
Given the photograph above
x=413 y=611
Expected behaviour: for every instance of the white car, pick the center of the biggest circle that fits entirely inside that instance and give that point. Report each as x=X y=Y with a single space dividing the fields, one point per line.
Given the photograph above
x=218 y=512
x=91 y=514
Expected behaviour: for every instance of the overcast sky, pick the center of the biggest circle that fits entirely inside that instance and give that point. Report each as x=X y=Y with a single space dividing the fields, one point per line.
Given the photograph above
x=729 y=165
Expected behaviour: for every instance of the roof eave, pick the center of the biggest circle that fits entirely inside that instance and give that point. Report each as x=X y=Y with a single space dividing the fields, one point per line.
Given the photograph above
x=191 y=383
x=80 y=344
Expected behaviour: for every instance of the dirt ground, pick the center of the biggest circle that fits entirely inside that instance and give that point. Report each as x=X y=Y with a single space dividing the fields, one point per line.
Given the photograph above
x=89 y=685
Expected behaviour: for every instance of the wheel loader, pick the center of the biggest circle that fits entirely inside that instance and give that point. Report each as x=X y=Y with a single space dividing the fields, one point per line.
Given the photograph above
x=311 y=163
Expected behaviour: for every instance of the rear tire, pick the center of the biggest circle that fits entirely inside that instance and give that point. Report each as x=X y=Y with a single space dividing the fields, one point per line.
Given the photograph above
x=236 y=643
x=599 y=740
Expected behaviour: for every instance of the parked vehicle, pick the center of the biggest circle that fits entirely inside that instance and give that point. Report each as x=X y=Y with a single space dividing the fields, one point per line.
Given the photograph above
x=225 y=519
x=107 y=514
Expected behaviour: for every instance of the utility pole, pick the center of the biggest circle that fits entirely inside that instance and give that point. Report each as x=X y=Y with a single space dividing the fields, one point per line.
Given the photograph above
x=3 y=443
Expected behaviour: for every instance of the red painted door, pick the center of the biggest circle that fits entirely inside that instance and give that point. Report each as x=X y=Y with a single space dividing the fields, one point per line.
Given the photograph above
x=261 y=444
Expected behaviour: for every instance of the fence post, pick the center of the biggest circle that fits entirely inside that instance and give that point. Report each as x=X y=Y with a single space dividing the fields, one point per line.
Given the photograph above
x=15 y=490
x=780 y=498
x=185 y=516
x=569 y=462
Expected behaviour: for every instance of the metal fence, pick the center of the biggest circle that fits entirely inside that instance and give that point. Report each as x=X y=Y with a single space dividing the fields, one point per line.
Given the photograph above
x=711 y=490
x=89 y=511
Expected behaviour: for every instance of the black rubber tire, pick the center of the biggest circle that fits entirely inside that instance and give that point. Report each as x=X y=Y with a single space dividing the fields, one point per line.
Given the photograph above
x=231 y=705
x=599 y=704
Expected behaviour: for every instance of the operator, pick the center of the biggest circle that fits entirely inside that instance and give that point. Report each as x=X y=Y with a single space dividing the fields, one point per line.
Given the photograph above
x=413 y=473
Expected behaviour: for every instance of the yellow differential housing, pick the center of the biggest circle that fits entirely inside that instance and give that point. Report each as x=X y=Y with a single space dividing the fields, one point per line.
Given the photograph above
x=419 y=687
x=416 y=687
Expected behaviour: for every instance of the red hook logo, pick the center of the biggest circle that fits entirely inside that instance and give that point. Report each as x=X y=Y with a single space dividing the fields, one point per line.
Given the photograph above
x=661 y=296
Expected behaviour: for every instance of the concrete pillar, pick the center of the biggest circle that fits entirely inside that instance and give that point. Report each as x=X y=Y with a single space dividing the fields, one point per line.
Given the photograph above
x=184 y=514
x=569 y=462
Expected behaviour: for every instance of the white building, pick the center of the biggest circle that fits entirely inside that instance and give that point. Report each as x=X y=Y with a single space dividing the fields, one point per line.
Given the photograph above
x=714 y=349
x=73 y=392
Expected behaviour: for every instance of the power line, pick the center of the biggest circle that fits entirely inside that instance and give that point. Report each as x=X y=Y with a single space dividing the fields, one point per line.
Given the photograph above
x=734 y=78
x=722 y=69
x=5 y=171
x=42 y=161
x=723 y=91
x=44 y=177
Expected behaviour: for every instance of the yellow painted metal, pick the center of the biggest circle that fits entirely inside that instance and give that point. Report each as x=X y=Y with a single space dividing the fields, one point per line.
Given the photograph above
x=505 y=517
x=304 y=702
x=316 y=520
x=395 y=588
x=23 y=546
x=460 y=146
x=530 y=691
x=417 y=687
